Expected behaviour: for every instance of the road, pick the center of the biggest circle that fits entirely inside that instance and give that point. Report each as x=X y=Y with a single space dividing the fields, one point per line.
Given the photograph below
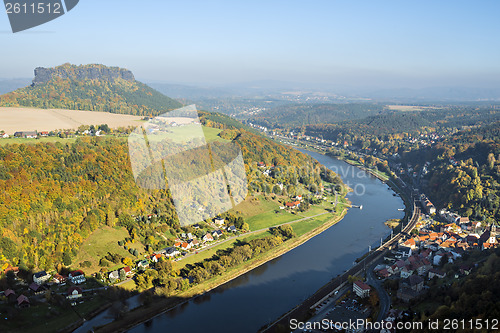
x=385 y=299
x=331 y=302
x=249 y=233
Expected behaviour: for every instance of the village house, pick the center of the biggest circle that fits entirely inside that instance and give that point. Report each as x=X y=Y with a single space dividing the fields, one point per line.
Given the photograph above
x=143 y=264
x=231 y=229
x=292 y=204
x=23 y=302
x=77 y=277
x=113 y=276
x=11 y=295
x=11 y=268
x=208 y=238
x=26 y=134
x=155 y=257
x=410 y=243
x=36 y=288
x=127 y=270
x=436 y=272
x=58 y=278
x=172 y=252
x=219 y=221
x=74 y=293
x=406 y=272
x=40 y=277
x=186 y=245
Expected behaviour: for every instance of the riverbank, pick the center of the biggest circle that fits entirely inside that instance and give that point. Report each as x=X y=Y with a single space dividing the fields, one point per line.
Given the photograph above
x=387 y=180
x=162 y=305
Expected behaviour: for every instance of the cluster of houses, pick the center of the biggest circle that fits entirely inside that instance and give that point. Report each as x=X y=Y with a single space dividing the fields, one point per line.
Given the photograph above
x=295 y=203
x=427 y=205
x=41 y=283
x=419 y=257
x=266 y=169
x=188 y=241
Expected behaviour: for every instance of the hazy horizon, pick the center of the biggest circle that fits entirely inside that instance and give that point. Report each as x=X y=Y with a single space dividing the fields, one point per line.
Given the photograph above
x=390 y=44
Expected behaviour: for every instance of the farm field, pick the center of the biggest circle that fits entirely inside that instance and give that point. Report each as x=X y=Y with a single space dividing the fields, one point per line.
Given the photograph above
x=14 y=119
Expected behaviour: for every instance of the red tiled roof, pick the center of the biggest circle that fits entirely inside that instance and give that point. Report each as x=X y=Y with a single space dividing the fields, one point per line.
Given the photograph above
x=362 y=285
x=71 y=289
x=77 y=273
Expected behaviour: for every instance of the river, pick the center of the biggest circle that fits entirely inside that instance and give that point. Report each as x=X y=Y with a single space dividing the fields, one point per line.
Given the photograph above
x=250 y=301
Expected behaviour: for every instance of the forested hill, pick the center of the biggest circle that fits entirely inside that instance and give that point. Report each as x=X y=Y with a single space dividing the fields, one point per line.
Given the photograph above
x=54 y=195
x=91 y=88
x=305 y=114
x=464 y=172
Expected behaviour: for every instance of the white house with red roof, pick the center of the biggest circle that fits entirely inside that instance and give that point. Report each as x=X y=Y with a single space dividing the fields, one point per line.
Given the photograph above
x=77 y=277
x=361 y=289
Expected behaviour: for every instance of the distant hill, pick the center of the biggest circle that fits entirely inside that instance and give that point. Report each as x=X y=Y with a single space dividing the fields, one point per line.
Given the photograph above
x=92 y=88
x=306 y=114
x=8 y=85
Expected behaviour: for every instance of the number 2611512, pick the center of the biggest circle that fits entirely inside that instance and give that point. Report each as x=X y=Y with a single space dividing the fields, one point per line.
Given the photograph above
x=38 y=8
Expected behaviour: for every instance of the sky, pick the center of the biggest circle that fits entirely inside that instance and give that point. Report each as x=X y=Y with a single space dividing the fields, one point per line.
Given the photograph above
x=386 y=44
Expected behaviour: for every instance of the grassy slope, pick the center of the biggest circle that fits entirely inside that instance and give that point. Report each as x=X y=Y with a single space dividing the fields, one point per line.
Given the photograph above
x=102 y=241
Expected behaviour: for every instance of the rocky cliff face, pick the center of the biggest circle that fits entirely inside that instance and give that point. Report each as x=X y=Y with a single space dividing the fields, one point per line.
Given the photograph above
x=85 y=72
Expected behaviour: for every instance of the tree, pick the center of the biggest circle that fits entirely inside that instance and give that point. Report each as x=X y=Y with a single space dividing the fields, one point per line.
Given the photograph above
x=122 y=274
x=127 y=261
x=287 y=231
x=66 y=259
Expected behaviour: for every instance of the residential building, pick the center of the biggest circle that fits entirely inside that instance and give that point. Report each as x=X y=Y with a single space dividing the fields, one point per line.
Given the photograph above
x=40 y=277
x=361 y=289
x=77 y=277
x=74 y=293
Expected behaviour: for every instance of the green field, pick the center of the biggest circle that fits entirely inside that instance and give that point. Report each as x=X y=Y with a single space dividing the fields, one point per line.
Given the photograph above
x=211 y=251
x=186 y=133
x=212 y=134
x=102 y=241
x=305 y=226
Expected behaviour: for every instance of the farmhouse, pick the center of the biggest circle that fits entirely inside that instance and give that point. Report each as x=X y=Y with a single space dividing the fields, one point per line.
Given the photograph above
x=26 y=134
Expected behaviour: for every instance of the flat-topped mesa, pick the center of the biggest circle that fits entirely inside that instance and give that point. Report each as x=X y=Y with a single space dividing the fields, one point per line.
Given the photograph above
x=80 y=73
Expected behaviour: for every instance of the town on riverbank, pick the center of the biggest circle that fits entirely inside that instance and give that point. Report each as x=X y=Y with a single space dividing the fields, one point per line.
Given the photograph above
x=432 y=251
